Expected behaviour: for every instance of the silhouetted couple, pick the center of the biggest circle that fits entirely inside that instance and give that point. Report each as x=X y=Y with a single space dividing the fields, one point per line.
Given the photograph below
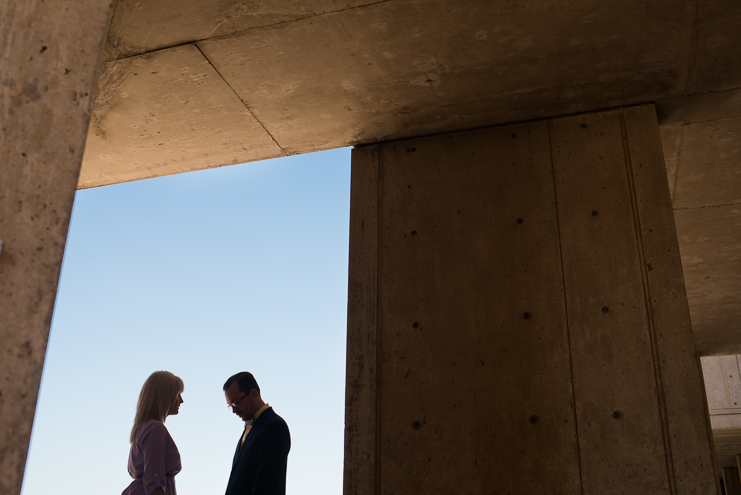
x=260 y=461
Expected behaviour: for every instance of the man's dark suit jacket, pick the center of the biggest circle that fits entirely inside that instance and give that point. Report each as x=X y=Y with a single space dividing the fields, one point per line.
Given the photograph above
x=259 y=466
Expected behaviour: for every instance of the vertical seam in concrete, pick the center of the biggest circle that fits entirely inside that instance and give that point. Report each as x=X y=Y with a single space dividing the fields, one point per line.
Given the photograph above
x=566 y=310
x=240 y=99
x=379 y=313
x=693 y=48
x=671 y=475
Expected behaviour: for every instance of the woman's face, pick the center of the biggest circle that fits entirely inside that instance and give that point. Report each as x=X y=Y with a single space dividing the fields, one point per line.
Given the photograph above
x=176 y=406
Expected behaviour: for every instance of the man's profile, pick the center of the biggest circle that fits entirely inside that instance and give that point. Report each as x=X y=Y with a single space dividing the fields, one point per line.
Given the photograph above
x=260 y=461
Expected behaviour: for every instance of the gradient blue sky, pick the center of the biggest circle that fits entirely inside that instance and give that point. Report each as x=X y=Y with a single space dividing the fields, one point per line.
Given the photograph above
x=203 y=274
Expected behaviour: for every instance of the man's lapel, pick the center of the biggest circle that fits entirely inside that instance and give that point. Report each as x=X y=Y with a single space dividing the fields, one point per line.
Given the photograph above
x=241 y=447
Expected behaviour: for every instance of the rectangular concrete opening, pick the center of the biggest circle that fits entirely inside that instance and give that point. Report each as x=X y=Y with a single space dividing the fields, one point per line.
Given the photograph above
x=202 y=274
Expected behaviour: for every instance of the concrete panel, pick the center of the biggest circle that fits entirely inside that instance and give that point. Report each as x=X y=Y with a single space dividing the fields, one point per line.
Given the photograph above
x=724 y=421
x=709 y=235
x=713 y=285
x=709 y=171
x=51 y=56
x=406 y=68
x=717 y=329
x=476 y=383
x=714 y=294
x=620 y=425
x=361 y=399
x=715 y=64
x=139 y=27
x=722 y=383
x=165 y=113
x=669 y=318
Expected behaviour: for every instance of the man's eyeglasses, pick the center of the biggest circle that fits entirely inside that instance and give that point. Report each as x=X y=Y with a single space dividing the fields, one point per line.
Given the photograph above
x=233 y=405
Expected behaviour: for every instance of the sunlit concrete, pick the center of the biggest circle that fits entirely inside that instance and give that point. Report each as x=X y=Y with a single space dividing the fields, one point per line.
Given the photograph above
x=48 y=69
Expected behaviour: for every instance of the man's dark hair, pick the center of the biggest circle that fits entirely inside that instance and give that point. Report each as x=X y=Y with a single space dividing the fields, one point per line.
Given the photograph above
x=245 y=382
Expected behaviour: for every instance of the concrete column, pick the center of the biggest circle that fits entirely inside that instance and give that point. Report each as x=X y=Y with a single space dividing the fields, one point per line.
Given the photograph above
x=517 y=316
x=51 y=54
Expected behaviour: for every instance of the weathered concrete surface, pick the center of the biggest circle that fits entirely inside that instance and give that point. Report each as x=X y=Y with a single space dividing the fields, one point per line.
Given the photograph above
x=531 y=327
x=701 y=136
x=168 y=103
x=361 y=405
x=51 y=54
x=710 y=241
x=405 y=68
x=717 y=35
x=140 y=27
x=709 y=175
x=699 y=108
x=329 y=74
x=723 y=388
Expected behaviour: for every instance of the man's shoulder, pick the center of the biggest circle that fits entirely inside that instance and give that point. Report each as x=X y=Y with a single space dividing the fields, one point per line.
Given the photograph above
x=271 y=417
x=273 y=424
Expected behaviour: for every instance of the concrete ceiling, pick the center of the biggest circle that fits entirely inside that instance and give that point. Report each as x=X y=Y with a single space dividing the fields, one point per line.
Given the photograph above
x=197 y=84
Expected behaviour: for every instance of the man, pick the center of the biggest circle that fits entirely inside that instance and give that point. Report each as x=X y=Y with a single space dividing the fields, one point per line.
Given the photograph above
x=260 y=462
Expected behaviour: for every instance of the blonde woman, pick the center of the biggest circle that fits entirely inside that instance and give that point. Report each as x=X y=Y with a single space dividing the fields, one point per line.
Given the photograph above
x=154 y=459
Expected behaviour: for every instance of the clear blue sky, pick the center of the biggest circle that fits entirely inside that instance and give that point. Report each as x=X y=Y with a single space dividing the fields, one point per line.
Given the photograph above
x=203 y=274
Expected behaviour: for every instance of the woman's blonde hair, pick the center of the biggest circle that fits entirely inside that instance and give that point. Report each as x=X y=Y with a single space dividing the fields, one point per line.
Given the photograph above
x=158 y=395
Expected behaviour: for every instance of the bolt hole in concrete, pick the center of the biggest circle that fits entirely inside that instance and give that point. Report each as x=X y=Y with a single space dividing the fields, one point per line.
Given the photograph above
x=203 y=274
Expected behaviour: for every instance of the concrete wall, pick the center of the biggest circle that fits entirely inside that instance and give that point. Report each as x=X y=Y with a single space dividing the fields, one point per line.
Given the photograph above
x=723 y=387
x=48 y=72
x=517 y=315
